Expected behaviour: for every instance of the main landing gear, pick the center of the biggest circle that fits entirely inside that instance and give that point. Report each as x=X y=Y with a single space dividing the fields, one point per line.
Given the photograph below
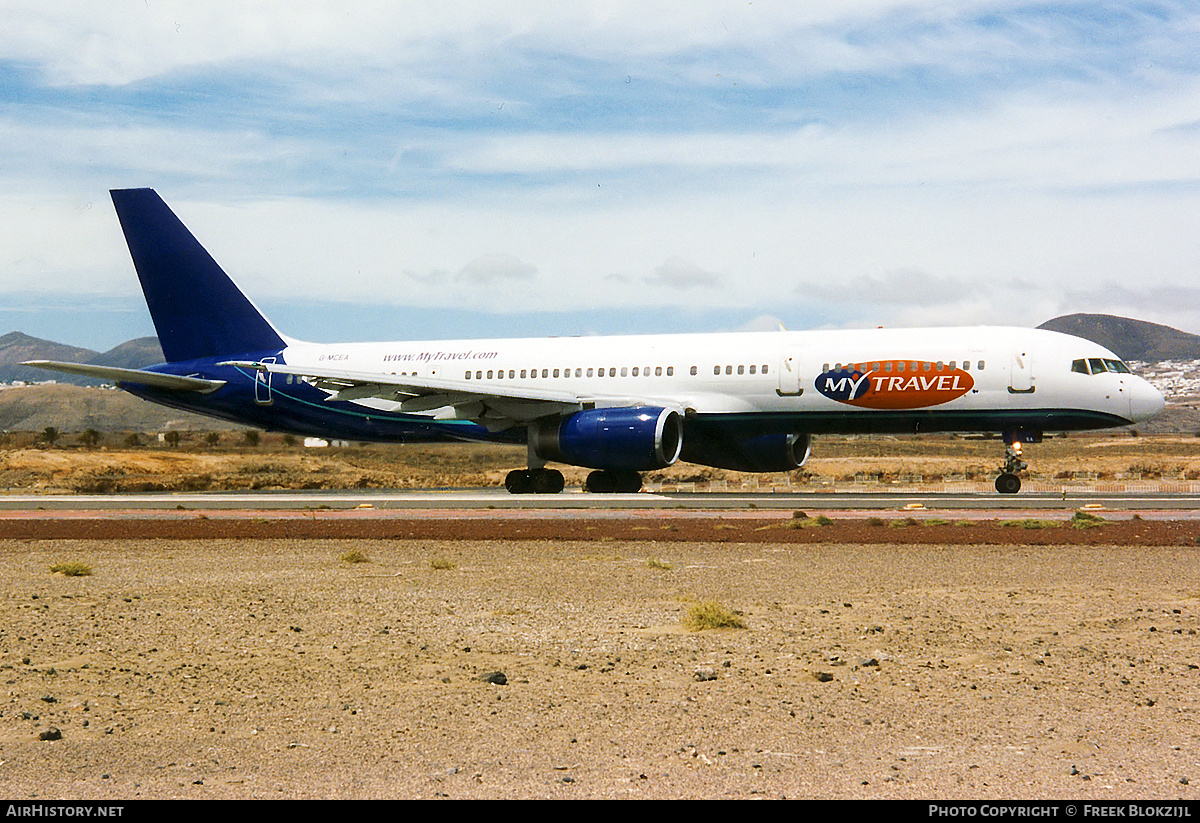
x=614 y=481
x=550 y=481
x=1009 y=482
x=534 y=481
x=537 y=479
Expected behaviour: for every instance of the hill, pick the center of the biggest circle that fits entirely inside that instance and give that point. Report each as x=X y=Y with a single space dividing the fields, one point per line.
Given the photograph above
x=75 y=408
x=1130 y=339
x=17 y=347
x=132 y=354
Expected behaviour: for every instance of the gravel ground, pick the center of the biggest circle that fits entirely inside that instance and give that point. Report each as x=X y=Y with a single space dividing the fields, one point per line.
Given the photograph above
x=273 y=668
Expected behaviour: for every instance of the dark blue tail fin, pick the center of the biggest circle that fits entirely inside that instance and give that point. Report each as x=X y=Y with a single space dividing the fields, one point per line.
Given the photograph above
x=197 y=310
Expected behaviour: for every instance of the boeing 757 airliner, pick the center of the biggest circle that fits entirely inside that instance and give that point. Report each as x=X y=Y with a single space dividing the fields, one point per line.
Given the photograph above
x=619 y=405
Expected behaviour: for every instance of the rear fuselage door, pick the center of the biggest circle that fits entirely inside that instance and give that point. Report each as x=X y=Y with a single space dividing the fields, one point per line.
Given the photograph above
x=262 y=384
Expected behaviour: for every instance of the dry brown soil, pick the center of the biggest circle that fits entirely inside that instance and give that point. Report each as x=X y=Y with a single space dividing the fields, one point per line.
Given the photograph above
x=234 y=668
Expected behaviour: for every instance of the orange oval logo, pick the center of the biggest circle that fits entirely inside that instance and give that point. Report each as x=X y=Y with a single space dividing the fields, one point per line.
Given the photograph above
x=894 y=384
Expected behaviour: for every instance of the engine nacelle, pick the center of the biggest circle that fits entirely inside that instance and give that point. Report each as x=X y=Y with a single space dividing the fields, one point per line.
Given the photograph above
x=637 y=438
x=764 y=453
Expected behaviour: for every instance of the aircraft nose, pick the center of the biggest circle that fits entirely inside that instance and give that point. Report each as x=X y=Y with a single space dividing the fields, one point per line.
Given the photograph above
x=1145 y=401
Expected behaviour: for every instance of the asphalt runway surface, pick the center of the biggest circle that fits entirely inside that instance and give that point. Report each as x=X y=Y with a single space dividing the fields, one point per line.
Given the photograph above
x=497 y=502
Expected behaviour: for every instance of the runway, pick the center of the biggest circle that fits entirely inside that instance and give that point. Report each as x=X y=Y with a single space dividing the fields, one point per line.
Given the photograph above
x=494 y=515
x=488 y=502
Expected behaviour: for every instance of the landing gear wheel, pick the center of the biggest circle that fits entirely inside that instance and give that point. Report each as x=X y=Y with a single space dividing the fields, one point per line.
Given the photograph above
x=518 y=481
x=614 y=481
x=1008 y=483
x=534 y=481
x=548 y=481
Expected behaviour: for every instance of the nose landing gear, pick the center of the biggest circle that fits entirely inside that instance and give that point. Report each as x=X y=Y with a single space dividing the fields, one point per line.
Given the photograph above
x=1009 y=481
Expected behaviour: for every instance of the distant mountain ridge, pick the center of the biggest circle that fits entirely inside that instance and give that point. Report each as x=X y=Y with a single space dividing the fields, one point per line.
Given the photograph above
x=17 y=347
x=1129 y=339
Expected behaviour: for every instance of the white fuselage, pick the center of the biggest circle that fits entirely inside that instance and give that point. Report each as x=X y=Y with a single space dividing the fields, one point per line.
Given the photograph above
x=805 y=373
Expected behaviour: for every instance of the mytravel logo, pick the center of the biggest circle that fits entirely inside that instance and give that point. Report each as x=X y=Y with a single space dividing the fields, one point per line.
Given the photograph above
x=894 y=384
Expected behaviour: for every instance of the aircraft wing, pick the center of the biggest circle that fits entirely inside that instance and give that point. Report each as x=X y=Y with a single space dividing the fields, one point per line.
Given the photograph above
x=141 y=378
x=494 y=405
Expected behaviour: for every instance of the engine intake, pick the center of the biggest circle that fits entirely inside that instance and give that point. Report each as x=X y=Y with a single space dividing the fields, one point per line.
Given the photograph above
x=638 y=438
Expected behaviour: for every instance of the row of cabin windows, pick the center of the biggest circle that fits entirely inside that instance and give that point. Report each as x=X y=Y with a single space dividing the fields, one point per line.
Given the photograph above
x=743 y=369
x=608 y=371
x=1099 y=365
x=906 y=366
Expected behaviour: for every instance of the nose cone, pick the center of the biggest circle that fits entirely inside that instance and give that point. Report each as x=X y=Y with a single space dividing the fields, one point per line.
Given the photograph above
x=1145 y=401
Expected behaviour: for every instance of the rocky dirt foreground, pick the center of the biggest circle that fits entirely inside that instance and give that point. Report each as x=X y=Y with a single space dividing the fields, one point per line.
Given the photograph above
x=278 y=668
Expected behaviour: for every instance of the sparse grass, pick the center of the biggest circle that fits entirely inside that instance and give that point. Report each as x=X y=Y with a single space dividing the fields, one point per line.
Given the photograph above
x=655 y=563
x=1086 y=520
x=875 y=521
x=904 y=523
x=804 y=522
x=354 y=556
x=710 y=615
x=441 y=564
x=1031 y=523
x=72 y=568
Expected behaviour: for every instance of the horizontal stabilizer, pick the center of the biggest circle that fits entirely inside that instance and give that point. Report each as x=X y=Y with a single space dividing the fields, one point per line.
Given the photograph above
x=133 y=376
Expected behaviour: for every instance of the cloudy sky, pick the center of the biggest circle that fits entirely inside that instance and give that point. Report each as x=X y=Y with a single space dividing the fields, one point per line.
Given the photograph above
x=396 y=170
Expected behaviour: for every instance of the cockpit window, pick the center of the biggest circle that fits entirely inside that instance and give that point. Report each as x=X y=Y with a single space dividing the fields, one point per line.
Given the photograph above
x=1099 y=365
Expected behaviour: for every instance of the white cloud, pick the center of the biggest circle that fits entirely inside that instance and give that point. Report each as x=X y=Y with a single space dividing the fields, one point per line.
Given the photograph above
x=922 y=158
x=494 y=268
x=680 y=273
x=129 y=40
